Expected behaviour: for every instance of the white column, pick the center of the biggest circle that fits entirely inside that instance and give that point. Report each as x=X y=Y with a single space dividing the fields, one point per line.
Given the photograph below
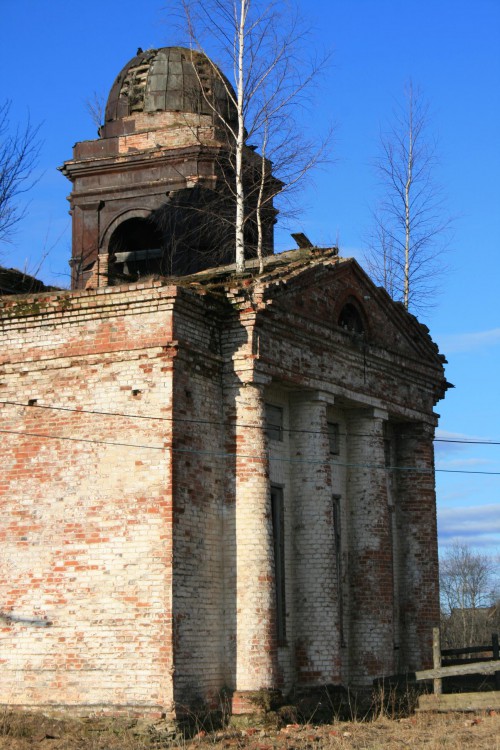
x=316 y=615
x=256 y=647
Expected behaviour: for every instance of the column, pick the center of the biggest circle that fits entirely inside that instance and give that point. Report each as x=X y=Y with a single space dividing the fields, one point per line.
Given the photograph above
x=86 y=220
x=316 y=610
x=417 y=528
x=371 y=590
x=256 y=643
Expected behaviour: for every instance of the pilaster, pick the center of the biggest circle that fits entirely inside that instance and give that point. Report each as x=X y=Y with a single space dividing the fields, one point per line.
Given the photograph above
x=370 y=639
x=316 y=622
x=418 y=564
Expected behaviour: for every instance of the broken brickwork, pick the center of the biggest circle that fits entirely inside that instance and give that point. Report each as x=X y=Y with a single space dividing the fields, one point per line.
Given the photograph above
x=142 y=486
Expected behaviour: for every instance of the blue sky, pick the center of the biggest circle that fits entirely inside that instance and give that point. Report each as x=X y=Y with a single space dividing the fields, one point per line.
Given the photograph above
x=56 y=53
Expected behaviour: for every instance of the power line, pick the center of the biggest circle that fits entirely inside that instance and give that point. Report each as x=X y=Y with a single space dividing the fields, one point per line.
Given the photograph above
x=83 y=440
x=221 y=423
x=261 y=457
x=466 y=441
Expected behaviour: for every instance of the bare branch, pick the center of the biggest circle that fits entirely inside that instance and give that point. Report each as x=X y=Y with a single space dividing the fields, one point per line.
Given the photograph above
x=19 y=154
x=95 y=106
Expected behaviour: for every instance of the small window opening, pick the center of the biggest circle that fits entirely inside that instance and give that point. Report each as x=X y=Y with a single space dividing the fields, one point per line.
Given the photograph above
x=350 y=319
x=337 y=536
x=389 y=457
x=274 y=422
x=388 y=452
x=333 y=438
x=277 y=511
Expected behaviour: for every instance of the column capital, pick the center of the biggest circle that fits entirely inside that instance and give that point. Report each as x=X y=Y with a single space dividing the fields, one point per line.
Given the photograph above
x=413 y=430
x=95 y=205
x=239 y=385
x=369 y=412
x=255 y=379
x=382 y=414
x=313 y=396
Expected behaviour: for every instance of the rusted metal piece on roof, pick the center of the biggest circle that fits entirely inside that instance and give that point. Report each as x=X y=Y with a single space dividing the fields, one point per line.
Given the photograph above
x=302 y=240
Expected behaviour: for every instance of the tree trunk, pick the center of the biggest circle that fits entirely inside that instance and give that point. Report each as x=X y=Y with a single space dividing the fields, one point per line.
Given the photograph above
x=409 y=178
x=240 y=141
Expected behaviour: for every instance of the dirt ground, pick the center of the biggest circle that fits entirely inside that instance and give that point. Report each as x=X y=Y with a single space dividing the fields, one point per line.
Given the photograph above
x=431 y=731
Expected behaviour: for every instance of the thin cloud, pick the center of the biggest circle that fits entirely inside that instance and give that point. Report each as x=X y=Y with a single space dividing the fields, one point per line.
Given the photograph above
x=442 y=448
x=478 y=526
x=458 y=463
x=472 y=512
x=467 y=342
x=452 y=496
x=447 y=435
x=489 y=544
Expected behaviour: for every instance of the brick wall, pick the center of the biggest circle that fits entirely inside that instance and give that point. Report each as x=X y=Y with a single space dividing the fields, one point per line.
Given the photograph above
x=87 y=534
x=199 y=475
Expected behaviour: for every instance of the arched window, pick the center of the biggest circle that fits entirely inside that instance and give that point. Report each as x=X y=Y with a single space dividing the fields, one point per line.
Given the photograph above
x=350 y=319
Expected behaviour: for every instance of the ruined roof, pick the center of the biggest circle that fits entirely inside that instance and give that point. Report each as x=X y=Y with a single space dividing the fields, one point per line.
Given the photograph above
x=286 y=269
x=170 y=79
x=13 y=281
x=276 y=265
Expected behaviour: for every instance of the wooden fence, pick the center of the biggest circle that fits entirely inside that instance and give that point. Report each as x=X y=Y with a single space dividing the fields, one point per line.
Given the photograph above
x=458 y=662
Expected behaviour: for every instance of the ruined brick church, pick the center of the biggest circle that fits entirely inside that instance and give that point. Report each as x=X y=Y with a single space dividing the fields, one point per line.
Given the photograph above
x=209 y=481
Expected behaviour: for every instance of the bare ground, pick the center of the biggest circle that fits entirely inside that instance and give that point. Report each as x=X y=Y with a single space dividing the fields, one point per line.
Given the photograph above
x=431 y=731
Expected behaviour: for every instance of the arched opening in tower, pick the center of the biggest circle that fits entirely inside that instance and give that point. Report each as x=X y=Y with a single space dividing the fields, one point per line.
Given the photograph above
x=136 y=249
x=191 y=231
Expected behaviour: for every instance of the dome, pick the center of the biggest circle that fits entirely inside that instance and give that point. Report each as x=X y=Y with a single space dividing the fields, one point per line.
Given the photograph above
x=170 y=79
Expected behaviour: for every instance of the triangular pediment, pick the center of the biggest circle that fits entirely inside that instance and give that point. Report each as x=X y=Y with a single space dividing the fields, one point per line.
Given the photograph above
x=337 y=293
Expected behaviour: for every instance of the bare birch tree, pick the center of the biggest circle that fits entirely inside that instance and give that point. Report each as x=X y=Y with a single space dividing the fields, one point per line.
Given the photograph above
x=285 y=148
x=467 y=584
x=262 y=43
x=19 y=153
x=411 y=225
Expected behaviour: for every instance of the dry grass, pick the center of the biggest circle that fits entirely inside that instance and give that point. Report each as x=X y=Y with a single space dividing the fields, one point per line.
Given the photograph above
x=431 y=731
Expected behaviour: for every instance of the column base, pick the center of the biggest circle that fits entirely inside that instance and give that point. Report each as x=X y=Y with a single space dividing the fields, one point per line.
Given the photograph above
x=255 y=707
